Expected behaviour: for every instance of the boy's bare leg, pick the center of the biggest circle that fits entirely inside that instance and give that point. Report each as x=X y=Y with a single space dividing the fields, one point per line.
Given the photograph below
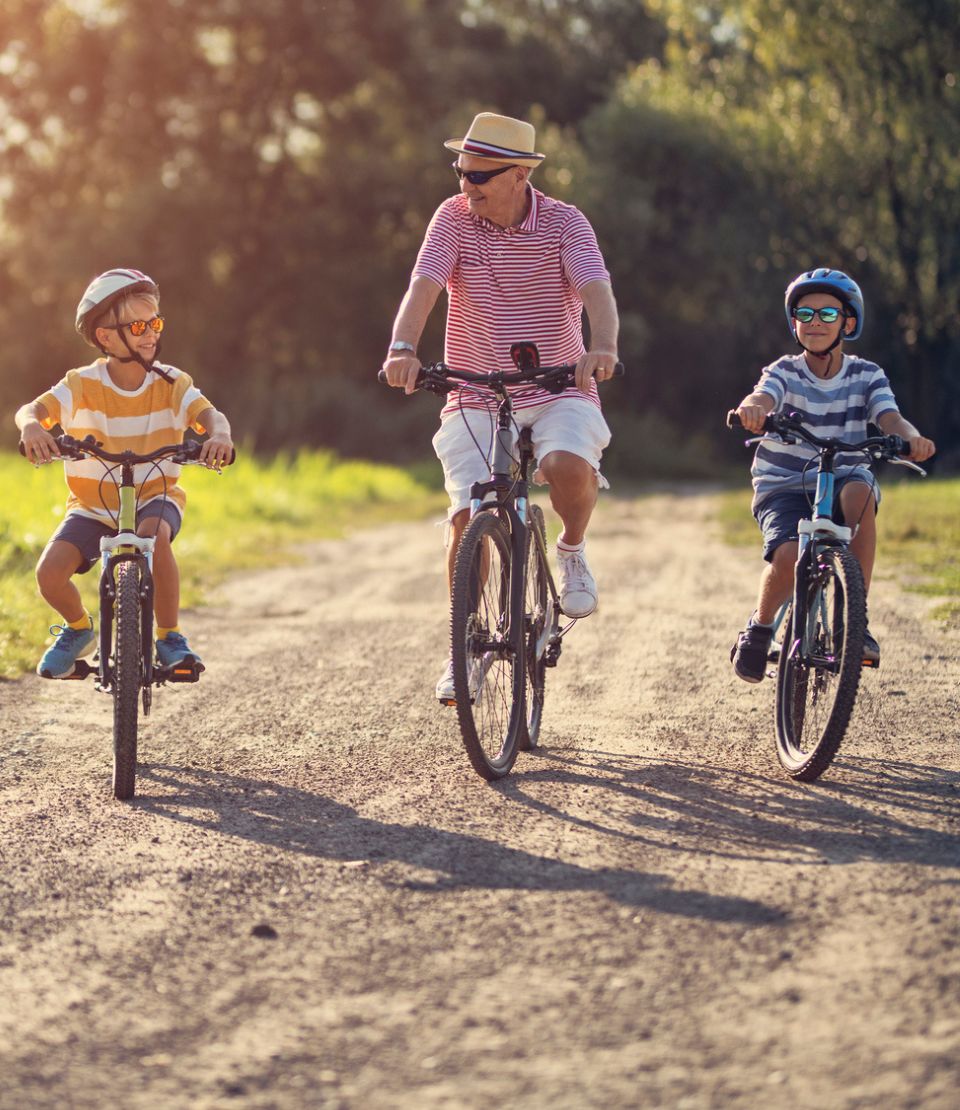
x=55 y=570
x=776 y=582
x=166 y=574
x=860 y=513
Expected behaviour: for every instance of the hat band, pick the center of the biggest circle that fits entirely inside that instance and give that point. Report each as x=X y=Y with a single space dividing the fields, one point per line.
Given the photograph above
x=488 y=150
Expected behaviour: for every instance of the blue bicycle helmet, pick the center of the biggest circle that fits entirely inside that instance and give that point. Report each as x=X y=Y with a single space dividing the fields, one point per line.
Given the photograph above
x=834 y=282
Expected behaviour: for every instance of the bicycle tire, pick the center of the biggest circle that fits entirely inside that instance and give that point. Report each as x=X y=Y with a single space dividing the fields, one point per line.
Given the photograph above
x=488 y=673
x=127 y=670
x=817 y=684
x=537 y=612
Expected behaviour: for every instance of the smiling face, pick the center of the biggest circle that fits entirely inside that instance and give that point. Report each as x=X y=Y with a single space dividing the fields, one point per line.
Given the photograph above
x=502 y=199
x=815 y=334
x=121 y=343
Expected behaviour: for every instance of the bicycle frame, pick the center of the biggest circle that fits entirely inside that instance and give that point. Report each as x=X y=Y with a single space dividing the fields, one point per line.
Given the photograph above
x=126 y=546
x=508 y=481
x=820 y=531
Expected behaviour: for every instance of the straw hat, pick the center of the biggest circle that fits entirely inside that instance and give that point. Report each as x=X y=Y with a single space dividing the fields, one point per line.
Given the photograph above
x=500 y=138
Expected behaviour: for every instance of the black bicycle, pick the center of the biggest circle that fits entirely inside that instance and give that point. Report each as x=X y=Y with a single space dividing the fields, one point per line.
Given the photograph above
x=124 y=664
x=821 y=658
x=506 y=625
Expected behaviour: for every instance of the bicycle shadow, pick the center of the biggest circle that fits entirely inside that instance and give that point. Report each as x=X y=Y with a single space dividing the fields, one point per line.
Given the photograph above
x=293 y=819
x=876 y=809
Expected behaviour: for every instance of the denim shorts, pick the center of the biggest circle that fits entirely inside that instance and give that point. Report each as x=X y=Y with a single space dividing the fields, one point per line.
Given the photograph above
x=465 y=439
x=85 y=533
x=779 y=515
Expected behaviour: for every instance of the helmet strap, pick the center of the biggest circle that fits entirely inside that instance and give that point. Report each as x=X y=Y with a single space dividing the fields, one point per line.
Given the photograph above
x=134 y=357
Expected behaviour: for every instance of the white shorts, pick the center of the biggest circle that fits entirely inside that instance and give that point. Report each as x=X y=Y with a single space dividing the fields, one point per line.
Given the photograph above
x=464 y=441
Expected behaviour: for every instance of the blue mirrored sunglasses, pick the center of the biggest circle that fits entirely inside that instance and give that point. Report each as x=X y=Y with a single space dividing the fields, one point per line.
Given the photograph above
x=827 y=315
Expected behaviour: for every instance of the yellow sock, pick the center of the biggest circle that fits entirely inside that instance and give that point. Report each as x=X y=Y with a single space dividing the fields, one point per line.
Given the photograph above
x=86 y=621
x=162 y=633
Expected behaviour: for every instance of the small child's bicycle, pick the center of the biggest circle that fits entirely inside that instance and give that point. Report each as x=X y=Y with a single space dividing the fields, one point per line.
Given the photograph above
x=506 y=625
x=124 y=664
x=821 y=658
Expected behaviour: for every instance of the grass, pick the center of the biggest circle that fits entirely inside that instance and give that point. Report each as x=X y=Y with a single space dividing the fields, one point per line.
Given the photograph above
x=918 y=533
x=253 y=515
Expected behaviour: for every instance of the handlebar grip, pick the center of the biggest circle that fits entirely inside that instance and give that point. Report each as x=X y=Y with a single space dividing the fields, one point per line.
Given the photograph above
x=733 y=419
x=421 y=374
x=619 y=370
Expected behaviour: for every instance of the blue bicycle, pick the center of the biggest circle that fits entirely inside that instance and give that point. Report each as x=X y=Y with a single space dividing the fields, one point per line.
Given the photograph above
x=821 y=658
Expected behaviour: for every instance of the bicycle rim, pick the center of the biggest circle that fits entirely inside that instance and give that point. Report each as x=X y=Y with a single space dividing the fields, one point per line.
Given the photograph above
x=127 y=665
x=487 y=657
x=537 y=614
x=820 y=666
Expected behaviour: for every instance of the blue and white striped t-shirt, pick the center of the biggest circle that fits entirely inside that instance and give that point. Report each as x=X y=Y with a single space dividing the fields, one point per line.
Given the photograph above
x=841 y=407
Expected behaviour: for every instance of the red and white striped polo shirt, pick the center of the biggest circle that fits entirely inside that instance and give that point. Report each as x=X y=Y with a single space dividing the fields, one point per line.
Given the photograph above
x=513 y=284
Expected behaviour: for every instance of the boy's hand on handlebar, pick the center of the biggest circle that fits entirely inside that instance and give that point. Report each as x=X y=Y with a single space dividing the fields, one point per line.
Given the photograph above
x=38 y=445
x=402 y=372
x=921 y=448
x=594 y=364
x=216 y=451
x=752 y=417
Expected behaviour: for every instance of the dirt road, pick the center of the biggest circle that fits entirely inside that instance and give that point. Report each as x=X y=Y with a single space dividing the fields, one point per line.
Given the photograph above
x=645 y=914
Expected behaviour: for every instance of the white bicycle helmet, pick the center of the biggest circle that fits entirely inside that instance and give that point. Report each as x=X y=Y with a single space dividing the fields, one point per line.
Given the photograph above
x=103 y=292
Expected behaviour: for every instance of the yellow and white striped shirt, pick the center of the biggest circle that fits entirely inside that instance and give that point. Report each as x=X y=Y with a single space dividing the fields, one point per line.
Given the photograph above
x=87 y=402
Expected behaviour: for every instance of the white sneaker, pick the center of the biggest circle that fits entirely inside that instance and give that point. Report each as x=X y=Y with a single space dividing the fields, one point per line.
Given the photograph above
x=446 y=694
x=445 y=691
x=578 y=589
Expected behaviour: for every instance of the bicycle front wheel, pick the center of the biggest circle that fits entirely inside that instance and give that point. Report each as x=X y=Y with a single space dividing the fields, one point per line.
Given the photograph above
x=820 y=664
x=127 y=668
x=539 y=614
x=487 y=648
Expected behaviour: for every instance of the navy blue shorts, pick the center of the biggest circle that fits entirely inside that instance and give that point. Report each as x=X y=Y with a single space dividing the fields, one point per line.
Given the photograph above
x=779 y=515
x=85 y=533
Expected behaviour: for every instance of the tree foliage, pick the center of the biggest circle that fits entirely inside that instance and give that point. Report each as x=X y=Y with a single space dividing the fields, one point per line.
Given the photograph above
x=273 y=163
x=780 y=136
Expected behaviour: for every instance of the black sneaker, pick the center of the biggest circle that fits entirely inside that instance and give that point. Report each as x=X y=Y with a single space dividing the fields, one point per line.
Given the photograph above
x=871 y=650
x=750 y=656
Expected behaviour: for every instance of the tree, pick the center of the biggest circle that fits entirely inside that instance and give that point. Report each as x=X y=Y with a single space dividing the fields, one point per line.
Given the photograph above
x=273 y=165
x=804 y=135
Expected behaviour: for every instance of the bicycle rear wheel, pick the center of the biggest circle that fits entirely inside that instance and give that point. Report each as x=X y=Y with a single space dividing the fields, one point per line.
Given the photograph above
x=487 y=652
x=127 y=669
x=820 y=665
x=538 y=614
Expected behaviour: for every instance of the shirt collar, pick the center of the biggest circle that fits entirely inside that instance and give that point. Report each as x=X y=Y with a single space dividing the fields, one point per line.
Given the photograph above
x=529 y=222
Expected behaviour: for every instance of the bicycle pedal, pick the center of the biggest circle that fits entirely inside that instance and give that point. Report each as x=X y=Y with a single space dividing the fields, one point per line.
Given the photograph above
x=875 y=663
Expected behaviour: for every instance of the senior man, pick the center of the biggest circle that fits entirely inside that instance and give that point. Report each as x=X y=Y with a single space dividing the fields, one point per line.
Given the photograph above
x=517 y=266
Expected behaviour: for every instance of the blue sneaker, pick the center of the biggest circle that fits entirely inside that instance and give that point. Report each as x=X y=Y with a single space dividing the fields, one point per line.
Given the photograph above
x=173 y=651
x=60 y=658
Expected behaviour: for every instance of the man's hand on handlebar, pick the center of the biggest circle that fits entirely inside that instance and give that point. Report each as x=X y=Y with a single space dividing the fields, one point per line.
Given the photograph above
x=401 y=371
x=594 y=364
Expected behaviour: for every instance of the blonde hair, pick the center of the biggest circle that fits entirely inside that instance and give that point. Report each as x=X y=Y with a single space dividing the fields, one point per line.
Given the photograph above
x=113 y=313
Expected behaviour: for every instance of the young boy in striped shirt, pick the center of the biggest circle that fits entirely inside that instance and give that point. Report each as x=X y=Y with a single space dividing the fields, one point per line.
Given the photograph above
x=836 y=395
x=128 y=401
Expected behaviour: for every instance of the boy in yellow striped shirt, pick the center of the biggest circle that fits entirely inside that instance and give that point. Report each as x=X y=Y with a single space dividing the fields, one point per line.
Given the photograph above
x=129 y=401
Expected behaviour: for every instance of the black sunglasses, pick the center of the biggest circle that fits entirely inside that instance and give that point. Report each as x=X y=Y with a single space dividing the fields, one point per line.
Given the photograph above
x=138 y=327
x=827 y=315
x=478 y=177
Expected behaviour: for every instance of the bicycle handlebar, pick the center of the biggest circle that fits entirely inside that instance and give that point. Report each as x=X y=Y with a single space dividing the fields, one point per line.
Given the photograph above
x=787 y=424
x=435 y=377
x=185 y=452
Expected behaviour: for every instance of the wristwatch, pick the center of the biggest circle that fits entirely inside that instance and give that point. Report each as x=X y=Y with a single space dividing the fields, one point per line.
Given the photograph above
x=400 y=345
